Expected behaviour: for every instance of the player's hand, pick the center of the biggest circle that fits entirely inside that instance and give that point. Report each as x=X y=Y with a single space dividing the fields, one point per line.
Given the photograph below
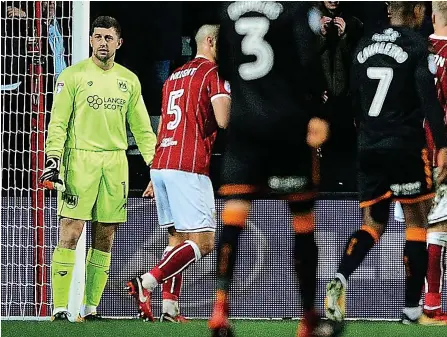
x=149 y=191
x=341 y=25
x=317 y=132
x=324 y=21
x=15 y=12
x=50 y=176
x=442 y=166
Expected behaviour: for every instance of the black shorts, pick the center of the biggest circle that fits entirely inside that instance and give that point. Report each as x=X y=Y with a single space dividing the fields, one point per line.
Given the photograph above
x=277 y=165
x=404 y=176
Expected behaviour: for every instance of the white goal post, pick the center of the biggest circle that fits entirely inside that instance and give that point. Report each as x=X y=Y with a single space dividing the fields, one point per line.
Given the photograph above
x=38 y=40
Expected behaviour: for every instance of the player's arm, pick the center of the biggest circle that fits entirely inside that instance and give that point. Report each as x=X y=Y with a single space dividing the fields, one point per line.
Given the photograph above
x=219 y=91
x=431 y=107
x=433 y=111
x=221 y=108
x=140 y=125
x=61 y=112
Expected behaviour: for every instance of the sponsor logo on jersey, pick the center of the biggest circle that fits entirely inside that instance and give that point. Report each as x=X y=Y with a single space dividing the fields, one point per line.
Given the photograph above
x=389 y=35
x=108 y=103
x=166 y=142
x=287 y=184
x=59 y=87
x=70 y=199
x=406 y=189
x=122 y=85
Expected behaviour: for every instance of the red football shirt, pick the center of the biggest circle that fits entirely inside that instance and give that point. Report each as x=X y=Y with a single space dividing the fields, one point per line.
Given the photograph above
x=439 y=44
x=188 y=126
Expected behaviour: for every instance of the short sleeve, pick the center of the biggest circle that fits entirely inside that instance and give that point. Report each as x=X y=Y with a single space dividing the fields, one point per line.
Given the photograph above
x=217 y=86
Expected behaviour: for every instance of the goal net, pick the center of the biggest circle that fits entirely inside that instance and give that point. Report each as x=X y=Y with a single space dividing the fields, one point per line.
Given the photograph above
x=36 y=45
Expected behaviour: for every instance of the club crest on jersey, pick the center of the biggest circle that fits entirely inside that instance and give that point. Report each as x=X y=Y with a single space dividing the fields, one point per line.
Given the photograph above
x=59 y=87
x=122 y=85
x=70 y=199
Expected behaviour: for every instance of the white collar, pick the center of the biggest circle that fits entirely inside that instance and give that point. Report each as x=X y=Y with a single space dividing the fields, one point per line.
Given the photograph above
x=201 y=56
x=438 y=37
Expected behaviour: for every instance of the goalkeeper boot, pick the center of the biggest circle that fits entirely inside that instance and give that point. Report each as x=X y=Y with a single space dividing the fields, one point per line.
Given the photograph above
x=335 y=301
x=93 y=317
x=60 y=314
x=143 y=298
x=88 y=313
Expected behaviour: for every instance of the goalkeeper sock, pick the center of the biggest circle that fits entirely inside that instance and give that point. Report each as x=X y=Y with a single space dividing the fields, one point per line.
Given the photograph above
x=97 y=270
x=306 y=258
x=356 y=249
x=415 y=260
x=62 y=265
x=175 y=262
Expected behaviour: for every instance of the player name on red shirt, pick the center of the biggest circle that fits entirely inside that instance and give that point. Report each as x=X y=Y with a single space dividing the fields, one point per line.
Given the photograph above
x=188 y=126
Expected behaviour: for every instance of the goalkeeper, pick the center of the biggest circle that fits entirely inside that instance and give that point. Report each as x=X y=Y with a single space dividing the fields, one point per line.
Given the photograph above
x=86 y=160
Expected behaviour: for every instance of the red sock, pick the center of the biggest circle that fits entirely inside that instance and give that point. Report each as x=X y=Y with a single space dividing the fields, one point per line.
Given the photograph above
x=435 y=272
x=178 y=259
x=171 y=288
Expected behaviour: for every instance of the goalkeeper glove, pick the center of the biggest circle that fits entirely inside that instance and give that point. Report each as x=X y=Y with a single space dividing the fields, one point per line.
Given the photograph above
x=50 y=176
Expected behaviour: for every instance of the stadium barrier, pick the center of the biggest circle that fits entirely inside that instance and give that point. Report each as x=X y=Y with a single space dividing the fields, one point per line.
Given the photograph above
x=264 y=285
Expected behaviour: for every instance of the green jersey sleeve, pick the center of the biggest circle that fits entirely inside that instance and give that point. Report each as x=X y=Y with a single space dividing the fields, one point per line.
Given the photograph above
x=140 y=125
x=61 y=112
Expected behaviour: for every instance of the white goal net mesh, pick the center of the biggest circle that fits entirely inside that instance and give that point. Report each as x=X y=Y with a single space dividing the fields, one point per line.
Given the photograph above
x=35 y=48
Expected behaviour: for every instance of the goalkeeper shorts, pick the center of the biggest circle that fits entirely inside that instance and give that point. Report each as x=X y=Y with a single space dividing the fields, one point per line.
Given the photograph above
x=184 y=200
x=96 y=186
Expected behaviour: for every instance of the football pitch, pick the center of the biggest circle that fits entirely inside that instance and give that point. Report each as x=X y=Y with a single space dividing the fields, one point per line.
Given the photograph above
x=198 y=328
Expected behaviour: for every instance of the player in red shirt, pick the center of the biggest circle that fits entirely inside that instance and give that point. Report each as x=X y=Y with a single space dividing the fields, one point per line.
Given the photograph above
x=196 y=101
x=437 y=219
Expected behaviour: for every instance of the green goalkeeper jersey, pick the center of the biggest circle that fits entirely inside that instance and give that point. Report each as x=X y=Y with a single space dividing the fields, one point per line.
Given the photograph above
x=91 y=107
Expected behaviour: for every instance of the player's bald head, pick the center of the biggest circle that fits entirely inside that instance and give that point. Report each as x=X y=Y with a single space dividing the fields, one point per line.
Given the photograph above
x=206 y=31
x=440 y=10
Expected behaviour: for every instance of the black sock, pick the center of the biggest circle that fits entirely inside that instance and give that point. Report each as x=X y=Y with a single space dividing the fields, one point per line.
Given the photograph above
x=415 y=260
x=226 y=256
x=356 y=249
x=306 y=260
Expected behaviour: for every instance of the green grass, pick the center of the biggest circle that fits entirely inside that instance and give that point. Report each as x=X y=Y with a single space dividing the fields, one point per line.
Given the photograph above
x=198 y=328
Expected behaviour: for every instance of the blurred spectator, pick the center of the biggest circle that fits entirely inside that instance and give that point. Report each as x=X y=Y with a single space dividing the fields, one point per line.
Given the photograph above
x=21 y=54
x=339 y=36
x=372 y=14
